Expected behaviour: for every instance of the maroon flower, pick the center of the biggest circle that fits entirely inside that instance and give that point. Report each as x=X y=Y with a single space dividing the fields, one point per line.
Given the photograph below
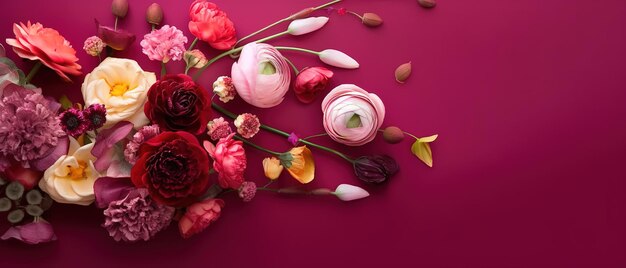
x=95 y=115
x=116 y=39
x=310 y=82
x=177 y=103
x=174 y=168
x=73 y=122
x=375 y=168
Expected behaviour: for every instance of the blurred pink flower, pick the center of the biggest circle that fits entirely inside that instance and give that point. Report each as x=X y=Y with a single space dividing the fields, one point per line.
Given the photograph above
x=165 y=44
x=218 y=128
x=93 y=46
x=261 y=76
x=144 y=134
x=199 y=216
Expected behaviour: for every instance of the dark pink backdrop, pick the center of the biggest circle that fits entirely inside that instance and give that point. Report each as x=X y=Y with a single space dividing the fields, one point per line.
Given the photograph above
x=528 y=98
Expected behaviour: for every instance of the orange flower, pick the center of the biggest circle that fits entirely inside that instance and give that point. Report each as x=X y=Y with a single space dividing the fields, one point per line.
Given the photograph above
x=272 y=168
x=34 y=42
x=301 y=166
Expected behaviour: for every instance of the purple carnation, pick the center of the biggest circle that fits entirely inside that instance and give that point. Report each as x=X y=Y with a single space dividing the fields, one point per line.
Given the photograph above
x=144 y=134
x=29 y=127
x=136 y=217
x=95 y=115
x=73 y=122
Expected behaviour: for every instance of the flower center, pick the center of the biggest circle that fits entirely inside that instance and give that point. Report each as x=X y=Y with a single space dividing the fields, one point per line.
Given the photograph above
x=77 y=173
x=118 y=89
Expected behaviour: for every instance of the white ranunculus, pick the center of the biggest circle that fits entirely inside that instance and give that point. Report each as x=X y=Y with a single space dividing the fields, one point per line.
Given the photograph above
x=70 y=179
x=122 y=86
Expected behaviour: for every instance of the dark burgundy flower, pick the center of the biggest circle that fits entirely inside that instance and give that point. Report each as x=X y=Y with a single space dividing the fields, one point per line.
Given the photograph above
x=95 y=115
x=375 y=168
x=116 y=39
x=173 y=167
x=177 y=103
x=310 y=82
x=73 y=122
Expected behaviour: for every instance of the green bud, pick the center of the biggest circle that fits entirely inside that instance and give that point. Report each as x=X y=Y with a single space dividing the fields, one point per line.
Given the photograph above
x=15 y=216
x=14 y=190
x=2 y=182
x=5 y=204
x=34 y=197
x=34 y=210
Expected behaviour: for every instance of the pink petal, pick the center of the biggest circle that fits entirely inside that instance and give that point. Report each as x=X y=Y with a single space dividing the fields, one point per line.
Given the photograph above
x=109 y=137
x=108 y=189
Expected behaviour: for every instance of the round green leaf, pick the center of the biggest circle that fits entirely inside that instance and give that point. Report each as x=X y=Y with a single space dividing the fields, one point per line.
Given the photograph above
x=34 y=210
x=14 y=190
x=15 y=216
x=5 y=204
x=46 y=203
x=2 y=182
x=33 y=197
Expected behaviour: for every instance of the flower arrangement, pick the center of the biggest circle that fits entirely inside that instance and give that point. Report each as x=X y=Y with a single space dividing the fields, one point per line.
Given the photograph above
x=149 y=150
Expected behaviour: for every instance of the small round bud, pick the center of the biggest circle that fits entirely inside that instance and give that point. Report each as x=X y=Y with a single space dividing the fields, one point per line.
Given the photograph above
x=154 y=14
x=372 y=20
x=393 y=135
x=427 y=3
x=119 y=8
x=403 y=72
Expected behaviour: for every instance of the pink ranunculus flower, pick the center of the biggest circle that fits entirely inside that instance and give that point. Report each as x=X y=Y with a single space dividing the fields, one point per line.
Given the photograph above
x=199 y=216
x=165 y=44
x=34 y=42
x=352 y=116
x=210 y=24
x=261 y=76
x=229 y=161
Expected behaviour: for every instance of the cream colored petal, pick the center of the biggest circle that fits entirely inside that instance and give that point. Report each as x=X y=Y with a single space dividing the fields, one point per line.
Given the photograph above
x=83 y=187
x=65 y=190
x=84 y=153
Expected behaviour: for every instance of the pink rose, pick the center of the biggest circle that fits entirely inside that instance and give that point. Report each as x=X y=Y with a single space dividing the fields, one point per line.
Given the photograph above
x=199 y=216
x=34 y=42
x=261 y=76
x=310 y=82
x=230 y=161
x=211 y=25
x=352 y=116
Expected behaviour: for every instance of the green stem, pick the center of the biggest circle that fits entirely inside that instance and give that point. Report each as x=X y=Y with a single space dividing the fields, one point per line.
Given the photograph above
x=267 y=189
x=258 y=147
x=285 y=134
x=298 y=49
x=163 y=69
x=211 y=61
x=193 y=44
x=32 y=72
x=295 y=69
x=327 y=4
x=153 y=27
x=315 y=136
x=271 y=37
x=115 y=26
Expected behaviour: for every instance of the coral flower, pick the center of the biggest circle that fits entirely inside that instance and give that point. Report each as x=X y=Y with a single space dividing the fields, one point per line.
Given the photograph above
x=272 y=168
x=211 y=25
x=301 y=166
x=34 y=42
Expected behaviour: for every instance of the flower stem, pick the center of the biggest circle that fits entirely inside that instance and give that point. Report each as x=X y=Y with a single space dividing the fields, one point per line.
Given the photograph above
x=359 y=16
x=295 y=69
x=258 y=147
x=153 y=27
x=193 y=44
x=162 y=69
x=115 y=26
x=285 y=134
x=32 y=72
x=271 y=37
x=315 y=136
x=327 y=4
x=298 y=49
x=214 y=59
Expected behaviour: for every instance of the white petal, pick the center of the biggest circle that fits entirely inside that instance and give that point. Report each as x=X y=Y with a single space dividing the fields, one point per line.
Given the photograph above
x=305 y=26
x=338 y=59
x=347 y=192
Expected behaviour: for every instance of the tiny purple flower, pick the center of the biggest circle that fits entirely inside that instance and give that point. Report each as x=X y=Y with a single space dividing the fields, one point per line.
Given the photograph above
x=293 y=139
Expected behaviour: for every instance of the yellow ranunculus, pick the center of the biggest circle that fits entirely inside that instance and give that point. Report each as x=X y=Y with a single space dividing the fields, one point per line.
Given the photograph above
x=272 y=168
x=70 y=179
x=122 y=86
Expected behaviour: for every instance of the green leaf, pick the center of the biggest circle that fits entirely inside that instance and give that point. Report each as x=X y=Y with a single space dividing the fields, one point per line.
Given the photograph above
x=2 y=182
x=65 y=102
x=267 y=68
x=15 y=216
x=14 y=190
x=285 y=159
x=46 y=203
x=354 y=121
x=33 y=197
x=5 y=204
x=423 y=152
x=34 y=210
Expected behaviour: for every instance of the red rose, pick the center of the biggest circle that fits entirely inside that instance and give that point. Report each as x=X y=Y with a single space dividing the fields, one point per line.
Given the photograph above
x=212 y=25
x=177 y=103
x=310 y=82
x=199 y=216
x=173 y=167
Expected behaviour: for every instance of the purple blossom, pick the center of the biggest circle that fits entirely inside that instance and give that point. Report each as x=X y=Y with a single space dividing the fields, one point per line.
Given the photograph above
x=95 y=115
x=73 y=122
x=29 y=127
x=144 y=134
x=293 y=139
x=136 y=217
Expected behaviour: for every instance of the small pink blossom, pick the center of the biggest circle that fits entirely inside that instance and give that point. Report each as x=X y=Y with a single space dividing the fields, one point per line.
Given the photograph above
x=93 y=46
x=247 y=191
x=224 y=88
x=247 y=125
x=165 y=44
x=218 y=128
x=195 y=59
x=144 y=134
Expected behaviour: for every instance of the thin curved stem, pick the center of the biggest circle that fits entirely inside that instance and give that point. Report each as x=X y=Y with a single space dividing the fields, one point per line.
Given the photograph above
x=193 y=44
x=255 y=146
x=298 y=49
x=293 y=66
x=315 y=136
x=214 y=59
x=32 y=72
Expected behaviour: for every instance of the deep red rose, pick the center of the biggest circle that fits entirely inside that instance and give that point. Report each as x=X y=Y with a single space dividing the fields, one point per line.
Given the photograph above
x=177 y=103
x=211 y=25
x=173 y=167
x=310 y=82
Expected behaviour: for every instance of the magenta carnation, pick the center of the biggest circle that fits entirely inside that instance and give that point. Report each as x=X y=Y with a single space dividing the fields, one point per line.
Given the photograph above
x=218 y=128
x=144 y=134
x=247 y=191
x=136 y=217
x=95 y=116
x=29 y=127
x=165 y=44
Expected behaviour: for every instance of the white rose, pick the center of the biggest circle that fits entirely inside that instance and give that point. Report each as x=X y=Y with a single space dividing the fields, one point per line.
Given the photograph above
x=121 y=86
x=70 y=180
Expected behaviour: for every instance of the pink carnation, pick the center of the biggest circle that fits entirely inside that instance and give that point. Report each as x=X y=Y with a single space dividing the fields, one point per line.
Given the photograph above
x=229 y=161
x=144 y=134
x=247 y=125
x=247 y=191
x=93 y=46
x=165 y=44
x=218 y=128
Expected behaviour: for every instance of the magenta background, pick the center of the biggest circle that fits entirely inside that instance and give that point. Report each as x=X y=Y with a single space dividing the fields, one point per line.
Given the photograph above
x=528 y=99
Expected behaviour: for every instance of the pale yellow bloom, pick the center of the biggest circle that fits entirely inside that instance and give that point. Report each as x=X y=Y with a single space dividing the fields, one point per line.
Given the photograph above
x=272 y=168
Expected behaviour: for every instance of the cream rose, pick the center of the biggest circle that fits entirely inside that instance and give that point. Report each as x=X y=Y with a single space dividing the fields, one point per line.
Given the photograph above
x=70 y=180
x=121 y=85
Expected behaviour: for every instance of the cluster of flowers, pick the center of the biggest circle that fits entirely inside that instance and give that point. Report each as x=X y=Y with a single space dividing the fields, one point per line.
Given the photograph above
x=144 y=149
